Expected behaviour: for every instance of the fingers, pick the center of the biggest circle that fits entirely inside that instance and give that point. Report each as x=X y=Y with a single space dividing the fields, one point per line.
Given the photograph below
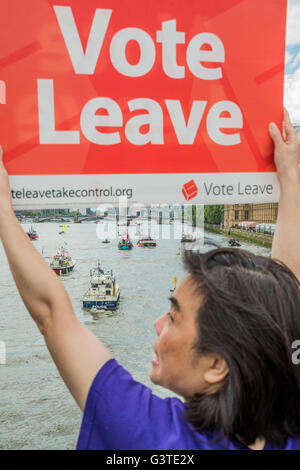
x=289 y=129
x=286 y=116
x=275 y=134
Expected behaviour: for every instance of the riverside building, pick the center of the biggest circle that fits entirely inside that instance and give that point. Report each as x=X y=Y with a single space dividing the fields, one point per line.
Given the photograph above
x=262 y=213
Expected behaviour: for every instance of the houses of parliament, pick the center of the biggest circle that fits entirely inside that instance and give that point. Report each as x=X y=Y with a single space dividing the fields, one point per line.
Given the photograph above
x=262 y=213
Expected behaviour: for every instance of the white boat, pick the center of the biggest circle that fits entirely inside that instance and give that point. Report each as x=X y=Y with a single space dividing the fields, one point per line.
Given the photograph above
x=104 y=292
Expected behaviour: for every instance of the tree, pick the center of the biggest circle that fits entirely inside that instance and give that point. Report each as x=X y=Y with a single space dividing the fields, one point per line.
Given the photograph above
x=214 y=214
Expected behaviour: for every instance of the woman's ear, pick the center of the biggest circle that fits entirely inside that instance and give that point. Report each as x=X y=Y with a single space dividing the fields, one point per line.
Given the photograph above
x=216 y=370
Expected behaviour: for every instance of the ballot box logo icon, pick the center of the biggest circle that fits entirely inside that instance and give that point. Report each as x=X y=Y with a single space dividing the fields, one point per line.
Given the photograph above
x=189 y=190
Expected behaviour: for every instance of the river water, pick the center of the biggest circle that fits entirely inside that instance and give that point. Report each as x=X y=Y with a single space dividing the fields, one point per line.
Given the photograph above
x=37 y=411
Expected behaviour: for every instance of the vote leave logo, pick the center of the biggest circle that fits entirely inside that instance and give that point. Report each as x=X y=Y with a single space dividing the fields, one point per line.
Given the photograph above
x=189 y=190
x=140 y=87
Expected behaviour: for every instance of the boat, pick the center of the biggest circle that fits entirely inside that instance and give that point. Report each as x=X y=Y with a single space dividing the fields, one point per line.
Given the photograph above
x=105 y=241
x=186 y=238
x=234 y=242
x=104 y=292
x=146 y=242
x=125 y=242
x=64 y=229
x=62 y=263
x=32 y=234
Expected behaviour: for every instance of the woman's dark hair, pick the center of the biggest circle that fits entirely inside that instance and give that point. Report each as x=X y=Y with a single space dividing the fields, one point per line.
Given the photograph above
x=250 y=315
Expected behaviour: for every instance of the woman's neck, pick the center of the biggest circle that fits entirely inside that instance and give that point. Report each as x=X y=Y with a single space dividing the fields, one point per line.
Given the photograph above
x=258 y=444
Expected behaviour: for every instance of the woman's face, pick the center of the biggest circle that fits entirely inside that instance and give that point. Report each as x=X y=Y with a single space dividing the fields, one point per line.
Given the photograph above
x=177 y=365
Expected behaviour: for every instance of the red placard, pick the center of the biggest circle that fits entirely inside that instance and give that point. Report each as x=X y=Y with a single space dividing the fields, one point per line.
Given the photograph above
x=114 y=87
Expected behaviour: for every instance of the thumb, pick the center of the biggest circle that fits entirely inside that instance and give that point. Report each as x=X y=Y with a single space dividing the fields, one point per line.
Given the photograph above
x=1 y=153
x=275 y=134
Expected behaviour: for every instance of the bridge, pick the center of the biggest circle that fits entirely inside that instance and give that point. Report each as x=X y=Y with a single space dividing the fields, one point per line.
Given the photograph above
x=78 y=219
x=62 y=218
x=83 y=218
x=53 y=218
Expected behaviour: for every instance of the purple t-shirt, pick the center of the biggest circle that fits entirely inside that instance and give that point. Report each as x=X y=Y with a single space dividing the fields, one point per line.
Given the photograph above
x=123 y=414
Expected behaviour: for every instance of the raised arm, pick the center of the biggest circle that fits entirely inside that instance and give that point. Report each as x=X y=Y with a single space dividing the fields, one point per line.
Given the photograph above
x=77 y=353
x=286 y=243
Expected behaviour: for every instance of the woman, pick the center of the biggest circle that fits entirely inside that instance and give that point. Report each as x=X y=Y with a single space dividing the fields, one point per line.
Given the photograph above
x=225 y=345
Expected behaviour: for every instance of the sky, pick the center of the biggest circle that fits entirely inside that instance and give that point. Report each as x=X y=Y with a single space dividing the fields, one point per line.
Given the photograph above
x=292 y=61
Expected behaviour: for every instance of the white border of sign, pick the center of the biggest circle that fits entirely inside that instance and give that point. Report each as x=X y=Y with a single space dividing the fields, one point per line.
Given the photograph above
x=43 y=191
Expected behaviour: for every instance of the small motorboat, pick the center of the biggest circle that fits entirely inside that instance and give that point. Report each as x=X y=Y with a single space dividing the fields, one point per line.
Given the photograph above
x=186 y=238
x=234 y=242
x=32 y=234
x=125 y=242
x=146 y=242
x=105 y=241
x=64 y=230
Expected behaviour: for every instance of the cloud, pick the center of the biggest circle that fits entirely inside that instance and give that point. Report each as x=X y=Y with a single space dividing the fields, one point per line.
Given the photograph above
x=292 y=95
x=296 y=60
x=292 y=30
x=292 y=60
x=288 y=57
